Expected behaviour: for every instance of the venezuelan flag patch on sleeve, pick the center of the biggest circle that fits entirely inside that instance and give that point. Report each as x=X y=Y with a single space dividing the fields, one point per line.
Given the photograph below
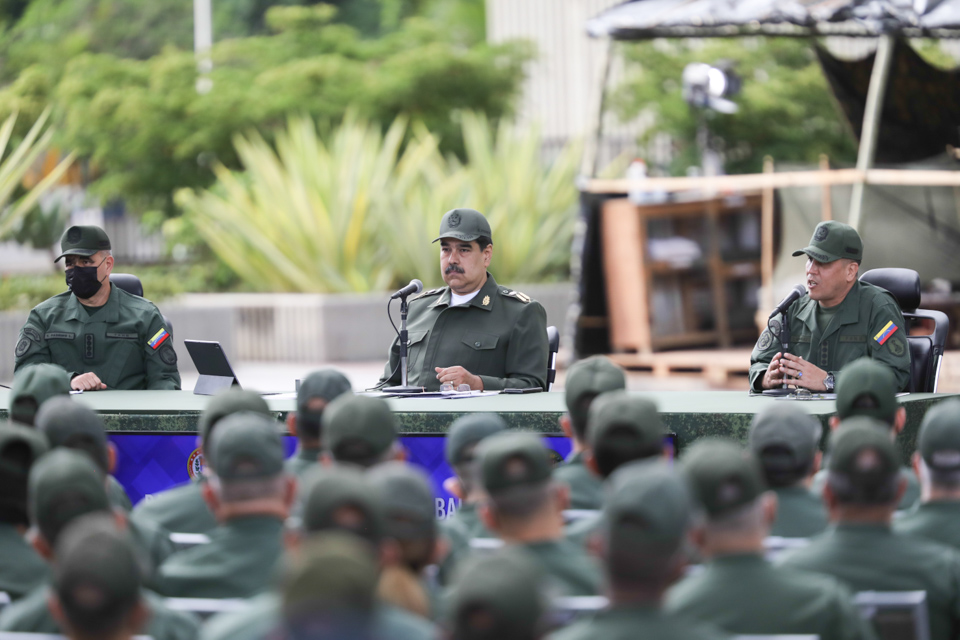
x=162 y=336
x=886 y=332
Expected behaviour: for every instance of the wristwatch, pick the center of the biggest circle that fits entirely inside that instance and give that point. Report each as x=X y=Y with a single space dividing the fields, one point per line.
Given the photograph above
x=829 y=382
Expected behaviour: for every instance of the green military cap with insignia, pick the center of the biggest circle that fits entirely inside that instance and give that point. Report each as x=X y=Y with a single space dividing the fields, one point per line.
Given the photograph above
x=408 y=500
x=510 y=460
x=593 y=376
x=247 y=446
x=863 y=459
x=468 y=430
x=97 y=576
x=722 y=476
x=939 y=439
x=784 y=436
x=64 y=485
x=326 y=385
x=342 y=498
x=866 y=387
x=20 y=447
x=83 y=240
x=329 y=574
x=358 y=429
x=833 y=240
x=464 y=224
x=648 y=507
x=624 y=425
x=226 y=402
x=497 y=597
x=71 y=424
x=34 y=385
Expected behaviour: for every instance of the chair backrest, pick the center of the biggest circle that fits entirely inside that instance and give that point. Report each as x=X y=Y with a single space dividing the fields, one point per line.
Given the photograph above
x=4 y=599
x=572 y=515
x=206 y=607
x=780 y=636
x=186 y=540
x=128 y=282
x=926 y=351
x=776 y=546
x=485 y=545
x=564 y=610
x=896 y=615
x=553 y=339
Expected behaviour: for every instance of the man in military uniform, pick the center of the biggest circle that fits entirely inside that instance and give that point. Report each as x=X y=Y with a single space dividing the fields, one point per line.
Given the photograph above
x=65 y=485
x=21 y=569
x=738 y=590
x=103 y=336
x=525 y=509
x=473 y=331
x=360 y=430
x=937 y=464
x=841 y=320
x=585 y=381
x=647 y=518
x=786 y=442
x=182 y=509
x=34 y=385
x=250 y=495
x=862 y=492
x=316 y=391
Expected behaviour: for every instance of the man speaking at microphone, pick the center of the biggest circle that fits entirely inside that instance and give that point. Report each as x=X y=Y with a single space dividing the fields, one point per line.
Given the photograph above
x=841 y=320
x=473 y=331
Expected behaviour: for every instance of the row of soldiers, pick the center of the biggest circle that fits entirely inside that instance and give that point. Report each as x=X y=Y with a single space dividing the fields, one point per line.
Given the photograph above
x=342 y=541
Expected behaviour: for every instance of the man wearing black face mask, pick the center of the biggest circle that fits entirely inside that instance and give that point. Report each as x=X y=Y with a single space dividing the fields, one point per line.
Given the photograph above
x=105 y=337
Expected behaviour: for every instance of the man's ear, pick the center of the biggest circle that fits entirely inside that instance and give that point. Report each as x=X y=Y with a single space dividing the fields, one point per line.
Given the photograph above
x=817 y=463
x=853 y=269
x=41 y=546
x=111 y=458
x=566 y=426
x=210 y=497
x=488 y=517
x=900 y=420
x=400 y=454
x=441 y=549
x=829 y=499
x=453 y=487
x=770 y=506
x=562 y=493
x=292 y=540
x=834 y=422
x=595 y=546
x=326 y=459
x=487 y=254
x=139 y=617
x=289 y=491
x=590 y=461
x=698 y=536
x=292 y=423
x=390 y=553
x=901 y=489
x=915 y=463
x=56 y=611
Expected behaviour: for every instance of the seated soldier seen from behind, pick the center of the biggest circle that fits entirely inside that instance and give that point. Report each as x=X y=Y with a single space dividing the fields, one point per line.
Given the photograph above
x=316 y=391
x=841 y=320
x=34 y=385
x=103 y=336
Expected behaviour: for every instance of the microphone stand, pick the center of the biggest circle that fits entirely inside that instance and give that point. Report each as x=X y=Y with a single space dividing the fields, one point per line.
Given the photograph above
x=403 y=388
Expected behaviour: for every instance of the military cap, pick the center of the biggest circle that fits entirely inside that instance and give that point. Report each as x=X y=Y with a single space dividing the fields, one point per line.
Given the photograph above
x=329 y=573
x=497 y=597
x=466 y=432
x=20 y=447
x=648 y=506
x=509 y=460
x=230 y=400
x=64 y=485
x=246 y=446
x=862 y=454
x=620 y=420
x=325 y=384
x=408 y=500
x=97 y=576
x=464 y=224
x=595 y=375
x=342 y=498
x=833 y=240
x=358 y=429
x=867 y=377
x=794 y=432
x=83 y=240
x=39 y=383
x=722 y=476
x=939 y=438
x=74 y=425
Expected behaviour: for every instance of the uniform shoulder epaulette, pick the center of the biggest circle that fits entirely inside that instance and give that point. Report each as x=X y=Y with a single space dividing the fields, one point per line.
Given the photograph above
x=431 y=292
x=522 y=297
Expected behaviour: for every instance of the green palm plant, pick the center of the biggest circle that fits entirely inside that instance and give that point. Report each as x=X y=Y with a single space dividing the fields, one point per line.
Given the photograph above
x=14 y=207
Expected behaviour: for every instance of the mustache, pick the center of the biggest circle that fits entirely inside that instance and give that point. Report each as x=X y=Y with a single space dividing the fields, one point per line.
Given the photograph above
x=453 y=268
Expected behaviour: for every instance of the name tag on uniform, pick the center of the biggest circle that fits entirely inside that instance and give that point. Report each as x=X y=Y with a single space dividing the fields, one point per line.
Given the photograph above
x=123 y=336
x=853 y=338
x=804 y=338
x=59 y=335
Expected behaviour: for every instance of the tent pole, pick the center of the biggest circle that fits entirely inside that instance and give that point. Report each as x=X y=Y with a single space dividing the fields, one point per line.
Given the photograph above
x=591 y=153
x=872 y=115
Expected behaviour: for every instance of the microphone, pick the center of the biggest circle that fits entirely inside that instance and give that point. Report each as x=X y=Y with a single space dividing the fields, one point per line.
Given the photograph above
x=415 y=286
x=798 y=292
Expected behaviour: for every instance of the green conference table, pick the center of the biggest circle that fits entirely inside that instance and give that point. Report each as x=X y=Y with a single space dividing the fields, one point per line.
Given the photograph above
x=691 y=415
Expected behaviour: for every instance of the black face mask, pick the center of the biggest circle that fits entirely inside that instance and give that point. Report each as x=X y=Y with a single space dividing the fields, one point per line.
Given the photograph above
x=83 y=281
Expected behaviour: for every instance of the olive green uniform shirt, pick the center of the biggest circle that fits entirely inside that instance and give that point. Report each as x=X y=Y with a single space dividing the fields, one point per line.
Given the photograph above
x=874 y=558
x=31 y=615
x=586 y=488
x=113 y=342
x=629 y=622
x=153 y=541
x=567 y=568
x=767 y=600
x=178 y=510
x=851 y=334
x=938 y=520
x=459 y=530
x=800 y=514
x=262 y=617
x=302 y=461
x=500 y=335
x=21 y=568
x=238 y=562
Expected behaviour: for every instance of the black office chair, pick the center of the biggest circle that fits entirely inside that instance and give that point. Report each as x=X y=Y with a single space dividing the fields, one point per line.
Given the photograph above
x=926 y=352
x=553 y=337
x=131 y=284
